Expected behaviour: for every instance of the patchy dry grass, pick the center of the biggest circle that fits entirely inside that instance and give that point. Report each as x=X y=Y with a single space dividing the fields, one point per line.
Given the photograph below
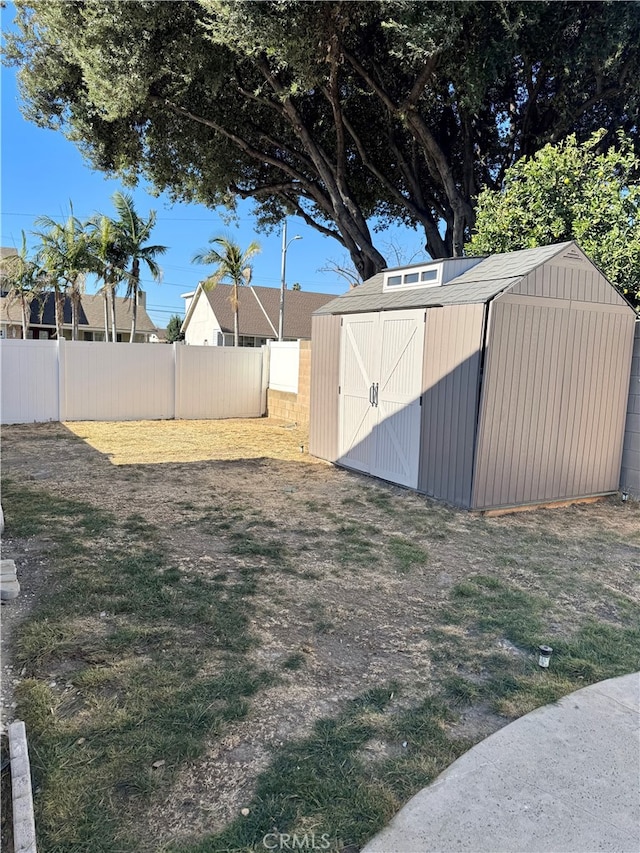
x=225 y=624
x=152 y=442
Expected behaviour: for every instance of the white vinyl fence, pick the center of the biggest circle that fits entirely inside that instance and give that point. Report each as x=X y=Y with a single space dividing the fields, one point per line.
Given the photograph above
x=81 y=380
x=284 y=363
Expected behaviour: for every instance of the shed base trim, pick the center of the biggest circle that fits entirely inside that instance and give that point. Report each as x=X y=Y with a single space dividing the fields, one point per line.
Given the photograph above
x=492 y=513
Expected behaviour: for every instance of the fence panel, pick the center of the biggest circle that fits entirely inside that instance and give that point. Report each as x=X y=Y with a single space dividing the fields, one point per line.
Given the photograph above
x=284 y=366
x=29 y=381
x=116 y=382
x=218 y=382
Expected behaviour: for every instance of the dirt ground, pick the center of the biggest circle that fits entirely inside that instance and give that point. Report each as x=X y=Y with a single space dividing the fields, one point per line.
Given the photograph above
x=350 y=611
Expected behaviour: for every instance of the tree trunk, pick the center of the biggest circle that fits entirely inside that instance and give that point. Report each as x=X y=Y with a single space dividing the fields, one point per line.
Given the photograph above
x=236 y=324
x=58 y=299
x=134 y=312
x=105 y=294
x=75 y=306
x=25 y=320
x=114 y=330
x=135 y=274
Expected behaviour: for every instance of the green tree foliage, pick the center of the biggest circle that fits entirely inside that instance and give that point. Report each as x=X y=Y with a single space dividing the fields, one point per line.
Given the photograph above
x=233 y=266
x=570 y=191
x=133 y=233
x=173 y=332
x=333 y=111
x=107 y=260
x=22 y=279
x=64 y=256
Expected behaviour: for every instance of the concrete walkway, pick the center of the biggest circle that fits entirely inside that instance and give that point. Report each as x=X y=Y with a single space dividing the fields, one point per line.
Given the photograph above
x=564 y=778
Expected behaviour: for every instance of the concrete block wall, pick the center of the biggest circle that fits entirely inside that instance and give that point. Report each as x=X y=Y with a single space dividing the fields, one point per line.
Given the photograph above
x=294 y=407
x=630 y=474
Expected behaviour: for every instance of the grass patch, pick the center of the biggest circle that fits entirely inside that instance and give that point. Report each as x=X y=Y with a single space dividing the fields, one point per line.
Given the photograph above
x=324 y=782
x=245 y=544
x=133 y=636
x=406 y=554
x=487 y=608
x=294 y=661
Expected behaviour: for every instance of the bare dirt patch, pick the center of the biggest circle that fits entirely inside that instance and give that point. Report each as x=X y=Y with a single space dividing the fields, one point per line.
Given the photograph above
x=354 y=580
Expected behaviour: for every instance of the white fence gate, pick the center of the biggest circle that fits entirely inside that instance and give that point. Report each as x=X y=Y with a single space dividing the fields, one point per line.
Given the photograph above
x=81 y=380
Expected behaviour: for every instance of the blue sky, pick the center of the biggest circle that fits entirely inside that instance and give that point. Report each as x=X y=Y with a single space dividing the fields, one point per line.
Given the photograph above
x=41 y=171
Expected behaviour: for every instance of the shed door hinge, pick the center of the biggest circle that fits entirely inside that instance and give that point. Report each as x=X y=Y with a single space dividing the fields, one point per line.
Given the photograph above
x=421 y=399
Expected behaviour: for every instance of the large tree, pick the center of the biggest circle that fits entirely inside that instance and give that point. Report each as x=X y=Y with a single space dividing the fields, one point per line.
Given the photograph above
x=334 y=111
x=570 y=191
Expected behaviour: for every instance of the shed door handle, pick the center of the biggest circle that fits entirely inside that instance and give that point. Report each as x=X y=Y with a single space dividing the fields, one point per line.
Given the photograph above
x=371 y=395
x=375 y=394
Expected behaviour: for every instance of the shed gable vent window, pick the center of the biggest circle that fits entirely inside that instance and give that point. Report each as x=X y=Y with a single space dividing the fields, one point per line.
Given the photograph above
x=430 y=276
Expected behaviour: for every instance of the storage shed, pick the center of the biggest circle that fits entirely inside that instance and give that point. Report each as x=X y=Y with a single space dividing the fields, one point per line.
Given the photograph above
x=488 y=383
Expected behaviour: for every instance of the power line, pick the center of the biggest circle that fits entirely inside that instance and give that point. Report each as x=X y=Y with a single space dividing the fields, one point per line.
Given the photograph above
x=158 y=218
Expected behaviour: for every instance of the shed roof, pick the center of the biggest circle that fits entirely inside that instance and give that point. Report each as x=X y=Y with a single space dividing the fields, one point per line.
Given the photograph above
x=477 y=285
x=259 y=310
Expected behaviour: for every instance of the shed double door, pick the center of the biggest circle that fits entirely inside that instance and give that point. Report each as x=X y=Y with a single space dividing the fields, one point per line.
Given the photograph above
x=380 y=394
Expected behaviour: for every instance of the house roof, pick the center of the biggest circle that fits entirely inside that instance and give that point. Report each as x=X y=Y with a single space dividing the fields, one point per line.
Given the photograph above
x=479 y=284
x=91 y=315
x=259 y=310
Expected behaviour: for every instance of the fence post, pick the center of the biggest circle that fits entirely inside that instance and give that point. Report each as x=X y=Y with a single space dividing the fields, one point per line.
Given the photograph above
x=266 y=361
x=176 y=367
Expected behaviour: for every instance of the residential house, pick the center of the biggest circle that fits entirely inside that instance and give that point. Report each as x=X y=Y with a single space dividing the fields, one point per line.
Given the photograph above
x=209 y=315
x=91 y=319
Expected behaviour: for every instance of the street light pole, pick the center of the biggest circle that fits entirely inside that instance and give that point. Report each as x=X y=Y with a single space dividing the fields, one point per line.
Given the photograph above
x=285 y=246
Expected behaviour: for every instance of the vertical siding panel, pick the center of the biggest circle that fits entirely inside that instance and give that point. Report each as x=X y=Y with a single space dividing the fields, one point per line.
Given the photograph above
x=601 y=454
x=610 y=457
x=562 y=380
x=593 y=415
x=571 y=401
x=325 y=378
x=517 y=374
x=520 y=456
x=453 y=338
x=523 y=427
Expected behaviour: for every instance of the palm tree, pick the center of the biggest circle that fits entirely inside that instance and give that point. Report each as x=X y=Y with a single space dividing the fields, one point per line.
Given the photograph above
x=233 y=265
x=22 y=278
x=64 y=255
x=107 y=260
x=133 y=232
